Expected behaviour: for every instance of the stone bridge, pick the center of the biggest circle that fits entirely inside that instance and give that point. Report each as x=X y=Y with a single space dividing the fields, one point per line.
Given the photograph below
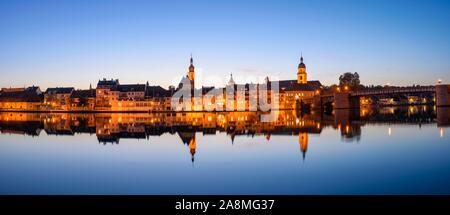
x=346 y=100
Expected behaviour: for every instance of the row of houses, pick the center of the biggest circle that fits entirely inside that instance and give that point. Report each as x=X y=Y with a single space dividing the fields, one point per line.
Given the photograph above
x=110 y=95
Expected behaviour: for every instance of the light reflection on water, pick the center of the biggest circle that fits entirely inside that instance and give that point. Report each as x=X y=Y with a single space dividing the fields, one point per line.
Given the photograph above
x=368 y=151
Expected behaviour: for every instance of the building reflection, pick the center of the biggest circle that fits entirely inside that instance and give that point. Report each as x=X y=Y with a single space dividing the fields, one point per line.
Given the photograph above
x=110 y=128
x=303 y=141
x=443 y=116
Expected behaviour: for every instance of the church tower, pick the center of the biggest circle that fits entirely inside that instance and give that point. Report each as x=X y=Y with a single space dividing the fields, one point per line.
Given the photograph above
x=301 y=73
x=191 y=74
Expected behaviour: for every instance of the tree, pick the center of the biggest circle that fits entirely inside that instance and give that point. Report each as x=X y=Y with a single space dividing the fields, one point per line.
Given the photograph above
x=350 y=79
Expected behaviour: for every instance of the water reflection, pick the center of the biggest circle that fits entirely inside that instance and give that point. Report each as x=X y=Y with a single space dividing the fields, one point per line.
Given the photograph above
x=110 y=128
x=395 y=150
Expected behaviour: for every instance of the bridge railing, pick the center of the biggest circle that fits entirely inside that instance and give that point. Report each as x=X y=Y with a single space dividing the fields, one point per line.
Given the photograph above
x=386 y=91
x=394 y=90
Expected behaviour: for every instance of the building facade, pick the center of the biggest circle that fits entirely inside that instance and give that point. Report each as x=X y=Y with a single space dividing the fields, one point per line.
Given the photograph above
x=110 y=95
x=58 y=98
x=83 y=100
x=21 y=99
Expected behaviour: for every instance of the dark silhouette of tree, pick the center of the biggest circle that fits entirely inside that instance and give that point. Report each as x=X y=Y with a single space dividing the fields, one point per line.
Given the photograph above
x=350 y=79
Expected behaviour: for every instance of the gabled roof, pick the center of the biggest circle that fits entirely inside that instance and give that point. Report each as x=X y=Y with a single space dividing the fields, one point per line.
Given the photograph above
x=156 y=91
x=315 y=84
x=11 y=89
x=292 y=85
x=83 y=94
x=34 y=89
x=105 y=82
x=21 y=96
x=131 y=88
x=59 y=90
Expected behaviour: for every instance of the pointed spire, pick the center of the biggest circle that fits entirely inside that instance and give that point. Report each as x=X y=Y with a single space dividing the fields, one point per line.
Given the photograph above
x=231 y=81
x=301 y=64
x=191 y=66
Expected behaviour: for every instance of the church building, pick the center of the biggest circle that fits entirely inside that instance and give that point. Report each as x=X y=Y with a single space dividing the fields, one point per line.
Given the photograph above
x=294 y=92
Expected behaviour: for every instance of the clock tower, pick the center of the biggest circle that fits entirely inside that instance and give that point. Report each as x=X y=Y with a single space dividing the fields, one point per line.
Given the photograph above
x=301 y=72
x=191 y=74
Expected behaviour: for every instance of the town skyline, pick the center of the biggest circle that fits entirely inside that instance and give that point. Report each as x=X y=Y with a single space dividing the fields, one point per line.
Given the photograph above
x=74 y=43
x=185 y=101
x=212 y=80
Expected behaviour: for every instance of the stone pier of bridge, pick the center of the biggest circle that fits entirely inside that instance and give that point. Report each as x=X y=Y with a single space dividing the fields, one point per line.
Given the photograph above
x=342 y=100
x=442 y=95
x=345 y=101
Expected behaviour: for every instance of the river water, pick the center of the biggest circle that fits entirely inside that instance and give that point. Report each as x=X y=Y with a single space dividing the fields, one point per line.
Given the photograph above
x=395 y=150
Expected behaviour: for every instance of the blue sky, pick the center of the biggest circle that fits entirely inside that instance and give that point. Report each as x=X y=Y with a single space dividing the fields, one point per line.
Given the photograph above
x=75 y=43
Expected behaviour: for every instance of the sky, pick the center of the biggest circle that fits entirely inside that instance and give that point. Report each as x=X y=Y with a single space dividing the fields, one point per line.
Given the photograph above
x=76 y=43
